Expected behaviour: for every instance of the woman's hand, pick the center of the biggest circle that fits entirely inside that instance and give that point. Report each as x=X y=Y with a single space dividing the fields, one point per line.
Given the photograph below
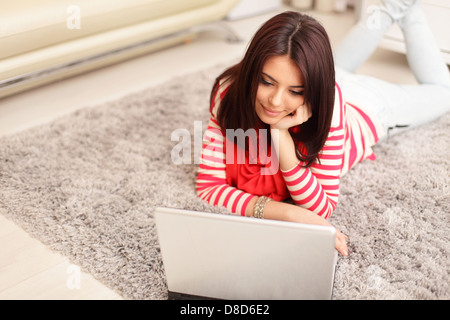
x=341 y=243
x=275 y=210
x=297 y=117
x=282 y=139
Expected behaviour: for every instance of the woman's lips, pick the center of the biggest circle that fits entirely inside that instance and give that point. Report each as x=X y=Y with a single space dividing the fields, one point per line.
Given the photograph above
x=271 y=113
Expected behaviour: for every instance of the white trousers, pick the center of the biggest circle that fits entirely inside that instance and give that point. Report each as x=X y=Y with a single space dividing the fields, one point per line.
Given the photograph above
x=396 y=106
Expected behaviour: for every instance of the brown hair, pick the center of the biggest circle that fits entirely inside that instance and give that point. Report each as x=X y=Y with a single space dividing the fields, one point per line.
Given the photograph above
x=306 y=42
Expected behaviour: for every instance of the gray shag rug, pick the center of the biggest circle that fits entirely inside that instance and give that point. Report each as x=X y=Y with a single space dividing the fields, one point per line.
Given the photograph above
x=86 y=185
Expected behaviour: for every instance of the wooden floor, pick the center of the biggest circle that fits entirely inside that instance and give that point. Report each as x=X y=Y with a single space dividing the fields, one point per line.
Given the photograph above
x=28 y=269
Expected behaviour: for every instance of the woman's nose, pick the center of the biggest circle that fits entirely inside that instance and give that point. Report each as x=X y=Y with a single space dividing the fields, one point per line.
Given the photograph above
x=276 y=98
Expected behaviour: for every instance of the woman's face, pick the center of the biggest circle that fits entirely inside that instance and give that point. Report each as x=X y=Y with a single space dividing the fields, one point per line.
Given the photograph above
x=280 y=91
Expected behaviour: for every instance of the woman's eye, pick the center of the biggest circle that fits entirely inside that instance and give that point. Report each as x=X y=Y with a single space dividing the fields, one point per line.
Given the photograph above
x=297 y=93
x=266 y=83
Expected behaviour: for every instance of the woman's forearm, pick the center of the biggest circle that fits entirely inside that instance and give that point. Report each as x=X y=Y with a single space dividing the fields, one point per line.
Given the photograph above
x=275 y=210
x=305 y=188
x=291 y=213
x=285 y=148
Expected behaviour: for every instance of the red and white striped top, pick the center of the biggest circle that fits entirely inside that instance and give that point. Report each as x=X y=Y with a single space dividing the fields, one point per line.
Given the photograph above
x=316 y=188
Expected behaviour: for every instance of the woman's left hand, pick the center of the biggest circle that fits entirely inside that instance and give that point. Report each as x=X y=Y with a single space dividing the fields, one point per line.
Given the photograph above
x=299 y=116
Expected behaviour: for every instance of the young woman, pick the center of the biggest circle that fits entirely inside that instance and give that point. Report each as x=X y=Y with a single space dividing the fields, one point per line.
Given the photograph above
x=287 y=123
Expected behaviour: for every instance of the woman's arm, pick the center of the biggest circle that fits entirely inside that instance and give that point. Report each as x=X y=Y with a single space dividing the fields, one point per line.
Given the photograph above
x=285 y=147
x=292 y=213
x=211 y=183
x=315 y=188
x=212 y=187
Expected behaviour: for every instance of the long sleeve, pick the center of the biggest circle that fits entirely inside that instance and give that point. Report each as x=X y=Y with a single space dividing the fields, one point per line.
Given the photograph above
x=353 y=132
x=211 y=181
x=317 y=188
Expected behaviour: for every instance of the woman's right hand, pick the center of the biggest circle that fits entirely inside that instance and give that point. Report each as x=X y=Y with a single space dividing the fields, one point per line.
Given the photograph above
x=290 y=212
x=303 y=215
x=340 y=240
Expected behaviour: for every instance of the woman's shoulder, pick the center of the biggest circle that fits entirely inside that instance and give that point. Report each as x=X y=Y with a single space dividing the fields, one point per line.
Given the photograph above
x=223 y=84
x=220 y=89
x=339 y=108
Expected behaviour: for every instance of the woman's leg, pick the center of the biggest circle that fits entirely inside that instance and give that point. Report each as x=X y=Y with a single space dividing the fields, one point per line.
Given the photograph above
x=423 y=54
x=364 y=37
x=396 y=106
x=419 y=104
x=362 y=40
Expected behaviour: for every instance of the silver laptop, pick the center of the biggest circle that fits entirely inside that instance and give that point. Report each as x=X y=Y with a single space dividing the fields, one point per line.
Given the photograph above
x=219 y=256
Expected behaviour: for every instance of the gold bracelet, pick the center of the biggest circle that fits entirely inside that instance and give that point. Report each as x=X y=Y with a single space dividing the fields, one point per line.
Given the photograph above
x=258 y=211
